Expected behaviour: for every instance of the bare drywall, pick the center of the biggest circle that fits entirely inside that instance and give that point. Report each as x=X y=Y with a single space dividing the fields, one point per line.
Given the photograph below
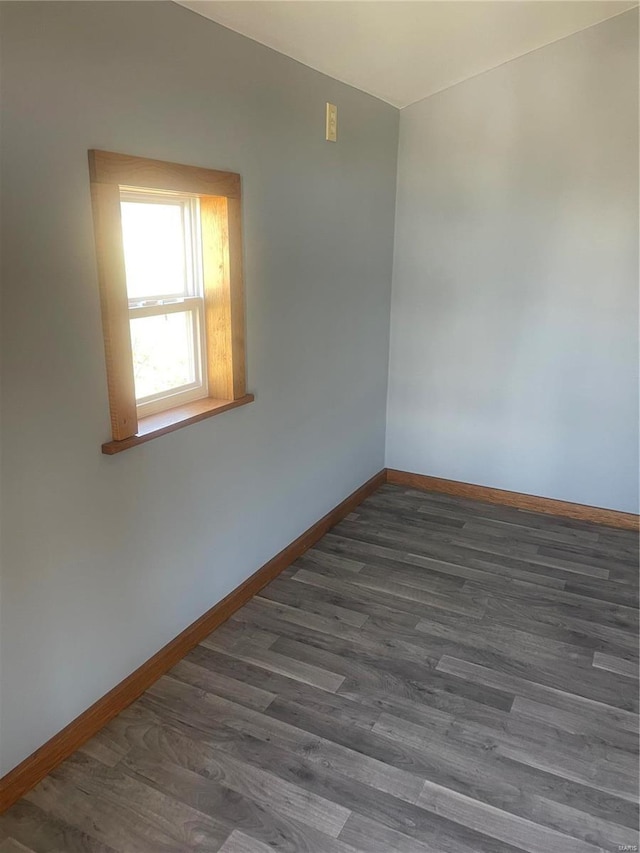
x=105 y=559
x=514 y=331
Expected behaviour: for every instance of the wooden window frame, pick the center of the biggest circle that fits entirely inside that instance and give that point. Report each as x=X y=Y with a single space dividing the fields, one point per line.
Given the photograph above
x=220 y=214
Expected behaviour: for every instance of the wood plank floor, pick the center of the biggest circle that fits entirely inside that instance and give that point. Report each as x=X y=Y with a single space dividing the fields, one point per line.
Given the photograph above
x=436 y=675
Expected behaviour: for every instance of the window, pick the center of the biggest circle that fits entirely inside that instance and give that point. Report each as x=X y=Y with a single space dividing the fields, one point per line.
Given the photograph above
x=163 y=270
x=169 y=252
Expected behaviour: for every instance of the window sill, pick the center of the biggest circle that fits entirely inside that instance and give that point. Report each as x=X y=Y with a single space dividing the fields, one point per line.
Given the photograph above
x=163 y=422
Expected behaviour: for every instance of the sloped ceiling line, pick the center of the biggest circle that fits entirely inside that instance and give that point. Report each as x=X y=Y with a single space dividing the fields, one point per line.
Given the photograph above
x=404 y=51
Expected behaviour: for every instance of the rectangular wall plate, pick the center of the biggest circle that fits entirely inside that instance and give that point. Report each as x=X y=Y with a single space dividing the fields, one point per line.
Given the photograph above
x=332 y=123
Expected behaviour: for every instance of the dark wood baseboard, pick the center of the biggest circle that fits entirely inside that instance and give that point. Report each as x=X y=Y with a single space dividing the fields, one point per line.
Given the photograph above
x=610 y=517
x=36 y=766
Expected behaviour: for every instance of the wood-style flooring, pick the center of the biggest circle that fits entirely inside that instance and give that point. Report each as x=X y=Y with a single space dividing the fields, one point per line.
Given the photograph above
x=436 y=675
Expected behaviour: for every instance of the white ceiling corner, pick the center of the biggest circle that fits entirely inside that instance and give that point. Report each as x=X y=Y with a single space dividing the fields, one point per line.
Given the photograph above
x=404 y=50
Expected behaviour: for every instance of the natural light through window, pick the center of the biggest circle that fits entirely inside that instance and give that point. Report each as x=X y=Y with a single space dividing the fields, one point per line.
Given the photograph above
x=163 y=266
x=169 y=261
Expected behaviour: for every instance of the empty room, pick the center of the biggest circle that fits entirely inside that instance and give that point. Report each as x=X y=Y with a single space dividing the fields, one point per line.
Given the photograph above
x=319 y=426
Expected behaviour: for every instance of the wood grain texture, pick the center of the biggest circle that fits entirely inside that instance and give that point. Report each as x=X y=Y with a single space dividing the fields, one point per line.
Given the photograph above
x=27 y=774
x=107 y=167
x=162 y=423
x=217 y=295
x=115 y=310
x=616 y=664
x=596 y=515
x=238 y=348
x=429 y=676
x=224 y=296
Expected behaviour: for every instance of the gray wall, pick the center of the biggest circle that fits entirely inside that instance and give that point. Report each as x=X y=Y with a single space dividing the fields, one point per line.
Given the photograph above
x=514 y=335
x=106 y=559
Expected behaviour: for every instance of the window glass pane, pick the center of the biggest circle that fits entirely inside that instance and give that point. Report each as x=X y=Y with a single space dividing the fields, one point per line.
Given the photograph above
x=154 y=250
x=163 y=353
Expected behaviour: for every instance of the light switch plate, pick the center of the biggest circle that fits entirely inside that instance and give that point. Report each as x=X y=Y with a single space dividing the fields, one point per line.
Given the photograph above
x=332 y=123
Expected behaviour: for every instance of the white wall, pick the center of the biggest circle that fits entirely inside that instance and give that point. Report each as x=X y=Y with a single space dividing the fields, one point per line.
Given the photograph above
x=514 y=332
x=105 y=559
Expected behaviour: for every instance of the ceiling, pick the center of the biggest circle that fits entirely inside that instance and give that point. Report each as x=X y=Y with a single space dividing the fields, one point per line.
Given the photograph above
x=404 y=50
